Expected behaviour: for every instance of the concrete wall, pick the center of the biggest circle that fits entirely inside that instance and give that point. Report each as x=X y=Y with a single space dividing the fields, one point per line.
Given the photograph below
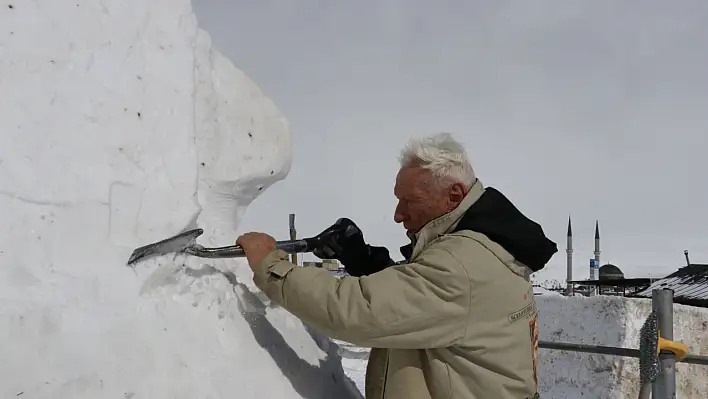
x=611 y=321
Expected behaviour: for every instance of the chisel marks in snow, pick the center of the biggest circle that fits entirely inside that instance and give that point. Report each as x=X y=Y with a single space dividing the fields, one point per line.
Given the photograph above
x=125 y=202
x=56 y=204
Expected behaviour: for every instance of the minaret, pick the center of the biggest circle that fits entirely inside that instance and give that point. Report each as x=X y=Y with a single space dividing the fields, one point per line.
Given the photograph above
x=569 y=260
x=597 y=248
x=596 y=269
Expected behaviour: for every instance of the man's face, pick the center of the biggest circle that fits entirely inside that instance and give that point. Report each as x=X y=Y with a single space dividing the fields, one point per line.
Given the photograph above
x=420 y=200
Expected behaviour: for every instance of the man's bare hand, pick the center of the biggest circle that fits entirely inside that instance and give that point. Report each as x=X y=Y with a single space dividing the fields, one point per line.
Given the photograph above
x=256 y=246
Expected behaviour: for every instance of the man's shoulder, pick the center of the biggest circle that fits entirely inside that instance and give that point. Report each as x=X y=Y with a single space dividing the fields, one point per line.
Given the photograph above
x=461 y=241
x=465 y=246
x=478 y=249
x=470 y=247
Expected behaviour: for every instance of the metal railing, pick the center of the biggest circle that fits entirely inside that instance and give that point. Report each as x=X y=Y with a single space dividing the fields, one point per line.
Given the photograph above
x=661 y=384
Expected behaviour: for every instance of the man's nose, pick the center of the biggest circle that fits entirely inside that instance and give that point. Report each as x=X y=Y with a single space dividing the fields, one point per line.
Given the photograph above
x=398 y=216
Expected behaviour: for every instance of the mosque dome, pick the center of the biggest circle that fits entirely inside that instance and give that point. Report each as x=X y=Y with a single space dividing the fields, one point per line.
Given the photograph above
x=610 y=272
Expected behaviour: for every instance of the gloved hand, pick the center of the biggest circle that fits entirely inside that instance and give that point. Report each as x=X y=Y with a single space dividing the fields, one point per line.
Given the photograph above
x=344 y=242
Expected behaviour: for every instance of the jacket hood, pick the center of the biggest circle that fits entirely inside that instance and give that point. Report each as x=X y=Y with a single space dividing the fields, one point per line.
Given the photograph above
x=487 y=211
x=497 y=218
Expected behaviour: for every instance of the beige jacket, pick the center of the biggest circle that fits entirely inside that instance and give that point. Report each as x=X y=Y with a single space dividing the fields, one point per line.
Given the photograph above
x=458 y=320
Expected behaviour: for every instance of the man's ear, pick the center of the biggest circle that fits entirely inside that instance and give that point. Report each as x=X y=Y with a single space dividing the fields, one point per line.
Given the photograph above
x=457 y=193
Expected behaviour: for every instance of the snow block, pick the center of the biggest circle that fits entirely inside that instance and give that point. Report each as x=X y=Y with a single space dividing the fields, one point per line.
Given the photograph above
x=121 y=126
x=611 y=321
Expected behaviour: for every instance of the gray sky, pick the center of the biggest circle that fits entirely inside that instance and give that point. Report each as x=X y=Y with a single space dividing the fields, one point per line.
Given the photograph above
x=593 y=109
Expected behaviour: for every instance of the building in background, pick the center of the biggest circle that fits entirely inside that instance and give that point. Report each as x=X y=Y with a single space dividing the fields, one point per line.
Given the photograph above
x=607 y=279
x=689 y=283
x=610 y=272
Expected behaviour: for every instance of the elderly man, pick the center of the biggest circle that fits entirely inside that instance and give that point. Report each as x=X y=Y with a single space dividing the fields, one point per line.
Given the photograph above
x=457 y=318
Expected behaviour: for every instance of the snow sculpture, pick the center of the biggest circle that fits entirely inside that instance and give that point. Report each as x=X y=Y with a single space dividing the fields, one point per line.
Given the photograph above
x=121 y=126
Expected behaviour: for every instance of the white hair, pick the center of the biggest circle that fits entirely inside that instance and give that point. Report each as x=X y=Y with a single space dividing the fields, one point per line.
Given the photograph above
x=444 y=156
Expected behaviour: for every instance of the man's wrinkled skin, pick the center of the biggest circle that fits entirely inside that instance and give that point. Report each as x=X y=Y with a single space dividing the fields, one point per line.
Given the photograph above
x=257 y=246
x=422 y=199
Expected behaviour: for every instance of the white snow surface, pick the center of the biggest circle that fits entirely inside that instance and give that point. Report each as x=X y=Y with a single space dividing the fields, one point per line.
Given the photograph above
x=122 y=126
x=543 y=291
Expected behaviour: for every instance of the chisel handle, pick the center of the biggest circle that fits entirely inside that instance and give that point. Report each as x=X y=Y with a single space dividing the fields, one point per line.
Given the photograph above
x=236 y=251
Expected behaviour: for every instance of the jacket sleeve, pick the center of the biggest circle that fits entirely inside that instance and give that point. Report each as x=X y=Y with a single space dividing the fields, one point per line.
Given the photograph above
x=424 y=304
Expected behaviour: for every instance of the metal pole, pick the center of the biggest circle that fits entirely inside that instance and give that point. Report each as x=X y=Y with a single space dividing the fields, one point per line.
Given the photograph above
x=611 y=350
x=585 y=348
x=665 y=385
x=645 y=392
x=293 y=236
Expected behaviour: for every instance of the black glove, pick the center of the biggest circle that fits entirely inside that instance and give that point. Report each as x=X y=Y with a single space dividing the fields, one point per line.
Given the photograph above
x=344 y=242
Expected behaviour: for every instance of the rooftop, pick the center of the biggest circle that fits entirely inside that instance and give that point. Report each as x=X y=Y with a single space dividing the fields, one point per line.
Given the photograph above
x=689 y=283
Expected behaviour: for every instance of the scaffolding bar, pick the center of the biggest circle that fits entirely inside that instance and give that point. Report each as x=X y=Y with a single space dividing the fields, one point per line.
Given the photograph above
x=612 y=351
x=665 y=385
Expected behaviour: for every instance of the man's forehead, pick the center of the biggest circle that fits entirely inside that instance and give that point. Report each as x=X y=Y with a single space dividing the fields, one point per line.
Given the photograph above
x=409 y=178
x=411 y=173
x=404 y=177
